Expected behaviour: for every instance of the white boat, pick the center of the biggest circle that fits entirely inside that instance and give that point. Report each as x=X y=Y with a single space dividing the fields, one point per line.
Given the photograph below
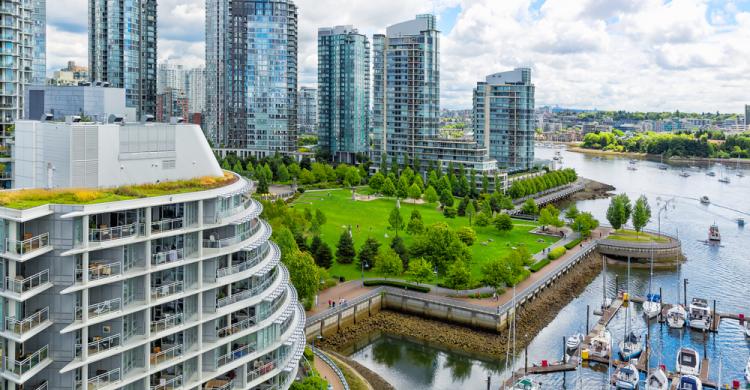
x=676 y=317
x=684 y=174
x=747 y=371
x=689 y=382
x=699 y=315
x=652 y=306
x=705 y=200
x=725 y=179
x=572 y=343
x=526 y=384
x=711 y=173
x=601 y=344
x=626 y=377
x=657 y=380
x=631 y=347
x=713 y=233
x=747 y=328
x=688 y=361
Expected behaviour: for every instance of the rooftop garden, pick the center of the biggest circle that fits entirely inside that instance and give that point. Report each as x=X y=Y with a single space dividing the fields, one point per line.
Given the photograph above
x=24 y=199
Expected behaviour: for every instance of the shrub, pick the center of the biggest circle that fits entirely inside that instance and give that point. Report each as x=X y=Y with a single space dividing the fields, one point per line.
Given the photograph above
x=539 y=265
x=449 y=212
x=399 y=284
x=573 y=243
x=301 y=190
x=556 y=253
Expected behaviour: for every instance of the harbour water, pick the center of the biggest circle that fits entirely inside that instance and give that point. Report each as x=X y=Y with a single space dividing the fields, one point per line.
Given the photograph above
x=720 y=273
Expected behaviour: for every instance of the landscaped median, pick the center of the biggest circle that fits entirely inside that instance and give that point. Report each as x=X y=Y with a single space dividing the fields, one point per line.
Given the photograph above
x=556 y=253
x=397 y=284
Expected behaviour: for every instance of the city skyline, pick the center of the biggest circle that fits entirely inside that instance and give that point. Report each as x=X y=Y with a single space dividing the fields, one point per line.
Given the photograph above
x=685 y=45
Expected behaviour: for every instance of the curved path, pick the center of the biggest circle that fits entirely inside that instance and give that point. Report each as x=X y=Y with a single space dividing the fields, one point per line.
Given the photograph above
x=327 y=373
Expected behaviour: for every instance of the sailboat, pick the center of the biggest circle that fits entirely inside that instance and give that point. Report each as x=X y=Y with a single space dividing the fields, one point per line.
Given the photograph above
x=676 y=314
x=657 y=380
x=626 y=377
x=523 y=383
x=652 y=304
x=724 y=178
x=631 y=346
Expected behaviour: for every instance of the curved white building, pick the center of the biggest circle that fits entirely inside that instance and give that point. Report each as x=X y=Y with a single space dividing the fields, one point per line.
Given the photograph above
x=183 y=291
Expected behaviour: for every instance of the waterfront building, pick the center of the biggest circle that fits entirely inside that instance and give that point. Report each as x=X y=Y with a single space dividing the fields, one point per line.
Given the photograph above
x=122 y=49
x=183 y=290
x=251 y=75
x=344 y=91
x=307 y=110
x=96 y=103
x=504 y=118
x=70 y=75
x=195 y=89
x=172 y=103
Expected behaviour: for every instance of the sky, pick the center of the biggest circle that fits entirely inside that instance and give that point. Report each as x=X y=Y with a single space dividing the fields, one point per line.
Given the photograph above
x=644 y=55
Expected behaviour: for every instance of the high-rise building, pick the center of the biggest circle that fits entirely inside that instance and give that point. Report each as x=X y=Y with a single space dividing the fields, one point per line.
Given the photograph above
x=747 y=116
x=39 y=38
x=195 y=85
x=122 y=49
x=307 y=110
x=344 y=92
x=251 y=74
x=170 y=75
x=71 y=75
x=181 y=290
x=406 y=85
x=504 y=118
x=172 y=103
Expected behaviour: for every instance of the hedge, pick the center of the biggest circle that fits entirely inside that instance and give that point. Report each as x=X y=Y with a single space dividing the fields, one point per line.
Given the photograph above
x=573 y=243
x=396 y=283
x=556 y=253
x=539 y=265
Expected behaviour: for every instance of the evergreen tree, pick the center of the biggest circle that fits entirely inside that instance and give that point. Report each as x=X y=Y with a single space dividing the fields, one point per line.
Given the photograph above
x=414 y=192
x=345 y=251
x=470 y=211
x=395 y=220
x=320 y=217
x=262 y=184
x=323 y=257
x=368 y=253
x=299 y=238
x=397 y=244
x=462 y=206
x=402 y=190
x=315 y=244
x=446 y=199
x=430 y=195
x=283 y=173
x=388 y=188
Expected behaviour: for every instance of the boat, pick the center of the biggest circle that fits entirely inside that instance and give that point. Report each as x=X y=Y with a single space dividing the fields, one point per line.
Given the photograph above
x=705 y=200
x=633 y=161
x=684 y=173
x=689 y=382
x=632 y=168
x=652 y=305
x=601 y=344
x=626 y=377
x=688 y=362
x=572 y=343
x=699 y=315
x=711 y=173
x=713 y=233
x=747 y=328
x=747 y=370
x=526 y=384
x=676 y=317
x=631 y=347
x=663 y=167
x=741 y=222
x=657 y=380
x=725 y=179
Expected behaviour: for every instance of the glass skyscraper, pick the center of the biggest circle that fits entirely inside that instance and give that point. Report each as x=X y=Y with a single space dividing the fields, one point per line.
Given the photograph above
x=251 y=73
x=504 y=118
x=344 y=92
x=122 y=49
x=307 y=110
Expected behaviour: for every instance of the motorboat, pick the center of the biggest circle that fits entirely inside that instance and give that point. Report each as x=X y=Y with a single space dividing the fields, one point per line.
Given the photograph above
x=699 y=315
x=652 y=305
x=688 y=361
x=601 y=344
x=684 y=174
x=725 y=179
x=711 y=173
x=705 y=200
x=676 y=316
x=626 y=377
x=741 y=222
x=657 y=380
x=526 y=384
x=663 y=167
x=689 y=382
x=632 y=166
x=631 y=347
x=713 y=233
x=572 y=343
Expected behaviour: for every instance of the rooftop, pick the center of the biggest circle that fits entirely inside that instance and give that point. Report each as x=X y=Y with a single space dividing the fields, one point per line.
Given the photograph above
x=28 y=198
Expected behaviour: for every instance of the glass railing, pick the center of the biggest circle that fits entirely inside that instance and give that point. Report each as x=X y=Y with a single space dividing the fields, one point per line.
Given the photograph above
x=228 y=212
x=105 y=379
x=260 y=368
x=20 y=286
x=21 y=367
x=229 y=241
x=166 y=290
x=115 y=232
x=101 y=345
x=236 y=327
x=235 y=354
x=169 y=256
x=166 y=225
x=28 y=323
x=226 y=271
x=28 y=245
x=38 y=386
x=166 y=355
x=236 y=297
x=100 y=309
x=214 y=384
x=167 y=323
x=100 y=271
x=168 y=384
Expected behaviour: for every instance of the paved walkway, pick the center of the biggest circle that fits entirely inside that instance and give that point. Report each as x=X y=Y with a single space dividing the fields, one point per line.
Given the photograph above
x=327 y=373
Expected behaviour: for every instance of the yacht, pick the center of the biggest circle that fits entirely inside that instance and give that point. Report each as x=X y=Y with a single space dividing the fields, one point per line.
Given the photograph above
x=626 y=377
x=676 y=317
x=713 y=233
x=652 y=305
x=690 y=382
x=688 y=362
x=631 y=347
x=601 y=344
x=572 y=344
x=526 y=384
x=705 y=200
x=699 y=316
x=657 y=380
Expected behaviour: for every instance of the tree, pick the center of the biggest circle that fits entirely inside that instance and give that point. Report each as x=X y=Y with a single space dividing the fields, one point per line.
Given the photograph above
x=446 y=198
x=313 y=382
x=395 y=220
x=345 y=251
x=470 y=211
x=440 y=246
x=641 y=213
x=225 y=165
x=420 y=270
x=549 y=216
x=462 y=206
x=503 y=223
x=368 y=253
x=627 y=207
x=376 y=181
x=467 y=235
x=323 y=256
x=262 y=184
x=320 y=217
x=402 y=189
x=283 y=173
x=415 y=226
x=495 y=273
x=571 y=213
x=529 y=207
x=616 y=212
x=303 y=271
x=482 y=220
x=430 y=195
x=388 y=263
x=458 y=276
x=388 y=189
x=414 y=192
x=585 y=223
x=352 y=177
x=419 y=182
x=314 y=244
x=397 y=244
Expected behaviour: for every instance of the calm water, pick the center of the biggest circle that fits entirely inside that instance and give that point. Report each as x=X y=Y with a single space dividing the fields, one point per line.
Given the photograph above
x=720 y=273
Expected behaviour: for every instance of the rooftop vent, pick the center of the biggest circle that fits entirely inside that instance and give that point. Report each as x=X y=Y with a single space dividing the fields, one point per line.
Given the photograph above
x=47 y=117
x=176 y=120
x=148 y=118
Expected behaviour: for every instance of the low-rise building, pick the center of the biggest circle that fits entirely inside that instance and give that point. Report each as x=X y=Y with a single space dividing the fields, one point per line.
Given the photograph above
x=96 y=103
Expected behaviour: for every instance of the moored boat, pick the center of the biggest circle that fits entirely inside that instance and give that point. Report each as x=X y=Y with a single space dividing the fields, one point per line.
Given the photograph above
x=688 y=361
x=699 y=315
x=657 y=380
x=689 y=382
x=705 y=200
x=652 y=305
x=572 y=343
x=626 y=377
x=631 y=347
x=601 y=344
x=676 y=317
x=684 y=173
x=713 y=233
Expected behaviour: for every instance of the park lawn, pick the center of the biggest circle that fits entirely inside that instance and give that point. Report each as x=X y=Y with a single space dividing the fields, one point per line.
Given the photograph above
x=632 y=235
x=371 y=218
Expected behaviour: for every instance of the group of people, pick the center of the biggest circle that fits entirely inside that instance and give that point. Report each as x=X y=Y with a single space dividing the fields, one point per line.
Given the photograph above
x=332 y=302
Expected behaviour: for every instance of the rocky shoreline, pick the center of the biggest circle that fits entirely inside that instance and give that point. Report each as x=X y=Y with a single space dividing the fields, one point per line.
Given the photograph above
x=532 y=318
x=593 y=190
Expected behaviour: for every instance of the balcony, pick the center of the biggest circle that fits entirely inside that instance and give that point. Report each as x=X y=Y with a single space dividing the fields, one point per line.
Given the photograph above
x=19 y=285
x=168 y=384
x=27 y=324
x=245 y=265
x=30 y=244
x=158 y=356
x=215 y=240
x=100 y=344
x=105 y=233
x=235 y=354
x=21 y=367
x=166 y=225
x=245 y=294
x=99 y=271
x=236 y=327
x=168 y=322
x=104 y=379
x=167 y=256
x=166 y=290
x=261 y=368
x=100 y=309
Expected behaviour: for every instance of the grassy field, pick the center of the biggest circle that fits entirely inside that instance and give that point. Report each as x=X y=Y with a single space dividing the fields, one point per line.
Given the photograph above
x=371 y=218
x=631 y=235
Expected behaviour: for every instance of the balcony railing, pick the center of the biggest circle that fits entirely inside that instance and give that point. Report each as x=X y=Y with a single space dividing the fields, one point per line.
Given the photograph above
x=166 y=290
x=167 y=323
x=167 y=256
x=214 y=385
x=39 y=386
x=28 y=323
x=226 y=271
x=115 y=232
x=236 y=327
x=262 y=369
x=235 y=354
x=245 y=294
x=100 y=271
x=101 y=345
x=28 y=245
x=20 y=286
x=105 y=379
x=166 y=225
x=170 y=384
x=19 y=368
x=167 y=354
x=100 y=309
x=232 y=240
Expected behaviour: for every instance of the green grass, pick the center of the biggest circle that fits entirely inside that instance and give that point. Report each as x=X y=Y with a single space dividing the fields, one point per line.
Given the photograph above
x=371 y=218
x=632 y=235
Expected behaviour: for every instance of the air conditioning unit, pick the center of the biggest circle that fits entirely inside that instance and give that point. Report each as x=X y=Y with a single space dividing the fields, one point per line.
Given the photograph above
x=47 y=117
x=148 y=118
x=176 y=120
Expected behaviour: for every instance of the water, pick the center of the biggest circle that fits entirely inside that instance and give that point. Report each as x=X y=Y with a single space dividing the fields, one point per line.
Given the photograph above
x=721 y=273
